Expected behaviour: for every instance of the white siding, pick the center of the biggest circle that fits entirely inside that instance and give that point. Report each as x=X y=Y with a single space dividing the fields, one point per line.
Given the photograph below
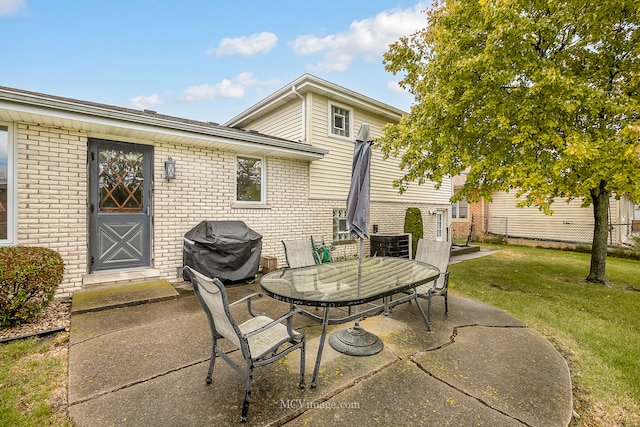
x=335 y=167
x=284 y=122
x=504 y=204
x=570 y=222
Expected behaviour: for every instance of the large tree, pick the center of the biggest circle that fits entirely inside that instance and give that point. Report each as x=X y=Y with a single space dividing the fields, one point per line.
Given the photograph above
x=538 y=97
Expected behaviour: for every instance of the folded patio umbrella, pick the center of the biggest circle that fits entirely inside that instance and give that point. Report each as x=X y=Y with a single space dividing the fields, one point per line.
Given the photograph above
x=358 y=199
x=356 y=341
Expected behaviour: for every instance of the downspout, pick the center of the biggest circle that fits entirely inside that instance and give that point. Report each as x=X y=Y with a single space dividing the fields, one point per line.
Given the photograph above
x=304 y=114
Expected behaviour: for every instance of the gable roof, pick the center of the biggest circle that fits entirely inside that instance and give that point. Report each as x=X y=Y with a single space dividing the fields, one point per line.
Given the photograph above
x=309 y=83
x=111 y=121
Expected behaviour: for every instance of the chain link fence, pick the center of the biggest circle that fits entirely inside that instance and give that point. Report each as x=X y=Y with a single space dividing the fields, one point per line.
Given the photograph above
x=552 y=230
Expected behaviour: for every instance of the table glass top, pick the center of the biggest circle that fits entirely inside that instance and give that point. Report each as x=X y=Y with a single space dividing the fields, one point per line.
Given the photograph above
x=336 y=284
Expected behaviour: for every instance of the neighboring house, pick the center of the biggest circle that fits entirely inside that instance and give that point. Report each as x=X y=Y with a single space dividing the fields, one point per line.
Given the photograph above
x=316 y=112
x=570 y=222
x=88 y=180
x=466 y=217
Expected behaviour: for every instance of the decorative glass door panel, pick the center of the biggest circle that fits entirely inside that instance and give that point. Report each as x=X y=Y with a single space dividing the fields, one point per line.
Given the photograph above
x=120 y=194
x=121 y=181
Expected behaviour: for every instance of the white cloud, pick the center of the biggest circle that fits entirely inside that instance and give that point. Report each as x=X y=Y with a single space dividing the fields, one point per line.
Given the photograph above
x=394 y=86
x=10 y=7
x=335 y=61
x=307 y=44
x=233 y=88
x=246 y=45
x=367 y=39
x=142 y=102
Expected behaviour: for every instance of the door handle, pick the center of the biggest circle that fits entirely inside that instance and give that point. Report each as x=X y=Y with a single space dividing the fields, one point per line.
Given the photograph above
x=148 y=211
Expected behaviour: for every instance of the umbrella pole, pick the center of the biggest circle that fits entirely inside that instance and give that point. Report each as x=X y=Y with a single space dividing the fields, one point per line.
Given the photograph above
x=356 y=341
x=357 y=324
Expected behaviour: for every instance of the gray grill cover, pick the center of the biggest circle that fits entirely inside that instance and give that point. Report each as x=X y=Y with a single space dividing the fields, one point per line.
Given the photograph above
x=228 y=250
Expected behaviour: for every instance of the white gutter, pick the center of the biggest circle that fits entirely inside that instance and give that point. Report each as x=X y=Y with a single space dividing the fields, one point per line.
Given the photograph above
x=304 y=113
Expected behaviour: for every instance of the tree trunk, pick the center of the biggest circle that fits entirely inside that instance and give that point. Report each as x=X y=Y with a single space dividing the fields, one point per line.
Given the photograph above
x=600 y=198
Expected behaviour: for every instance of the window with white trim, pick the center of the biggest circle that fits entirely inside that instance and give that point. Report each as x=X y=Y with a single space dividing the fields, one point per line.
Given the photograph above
x=7 y=185
x=460 y=209
x=340 y=121
x=341 y=230
x=250 y=186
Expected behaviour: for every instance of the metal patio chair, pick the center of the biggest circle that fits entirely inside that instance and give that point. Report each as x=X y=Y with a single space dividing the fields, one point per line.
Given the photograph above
x=437 y=254
x=299 y=253
x=302 y=253
x=260 y=339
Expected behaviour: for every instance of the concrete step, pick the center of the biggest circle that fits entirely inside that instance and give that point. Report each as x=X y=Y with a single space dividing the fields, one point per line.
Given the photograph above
x=105 y=297
x=463 y=250
x=120 y=277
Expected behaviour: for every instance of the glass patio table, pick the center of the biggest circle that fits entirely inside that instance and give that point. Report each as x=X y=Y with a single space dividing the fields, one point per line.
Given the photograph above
x=336 y=285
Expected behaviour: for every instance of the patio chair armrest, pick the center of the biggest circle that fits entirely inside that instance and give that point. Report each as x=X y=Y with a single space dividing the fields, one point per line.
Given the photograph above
x=286 y=316
x=445 y=283
x=446 y=279
x=248 y=299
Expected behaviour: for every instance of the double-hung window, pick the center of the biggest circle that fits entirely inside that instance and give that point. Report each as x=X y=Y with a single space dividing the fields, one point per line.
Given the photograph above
x=250 y=182
x=7 y=185
x=340 y=119
x=460 y=209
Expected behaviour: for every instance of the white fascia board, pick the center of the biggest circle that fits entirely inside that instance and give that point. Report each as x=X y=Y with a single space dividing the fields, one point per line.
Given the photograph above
x=309 y=83
x=41 y=106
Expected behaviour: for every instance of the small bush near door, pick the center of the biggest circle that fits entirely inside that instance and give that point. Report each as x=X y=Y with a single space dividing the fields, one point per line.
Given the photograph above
x=29 y=277
x=413 y=225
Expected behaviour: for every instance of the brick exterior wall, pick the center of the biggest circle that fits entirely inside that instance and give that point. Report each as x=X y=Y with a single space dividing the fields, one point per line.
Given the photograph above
x=204 y=190
x=52 y=197
x=53 y=194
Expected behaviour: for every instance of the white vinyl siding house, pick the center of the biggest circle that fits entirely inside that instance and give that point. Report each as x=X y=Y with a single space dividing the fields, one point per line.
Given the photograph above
x=570 y=222
x=335 y=167
x=318 y=101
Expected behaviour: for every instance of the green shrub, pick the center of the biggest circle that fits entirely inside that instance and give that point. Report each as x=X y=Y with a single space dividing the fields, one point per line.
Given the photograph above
x=28 y=280
x=496 y=239
x=413 y=225
x=627 y=253
x=583 y=248
x=636 y=245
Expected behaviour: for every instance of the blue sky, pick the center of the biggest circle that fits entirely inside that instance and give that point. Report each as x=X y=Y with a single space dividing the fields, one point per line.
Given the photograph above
x=202 y=60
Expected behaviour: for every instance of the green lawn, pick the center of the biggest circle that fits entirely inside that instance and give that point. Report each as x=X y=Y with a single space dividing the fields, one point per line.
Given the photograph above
x=595 y=327
x=32 y=382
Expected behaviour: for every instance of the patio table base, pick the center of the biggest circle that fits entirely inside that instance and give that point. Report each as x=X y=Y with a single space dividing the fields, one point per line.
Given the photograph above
x=355 y=341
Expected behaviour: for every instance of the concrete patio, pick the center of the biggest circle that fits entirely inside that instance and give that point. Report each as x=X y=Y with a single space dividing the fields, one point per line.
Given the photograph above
x=145 y=365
